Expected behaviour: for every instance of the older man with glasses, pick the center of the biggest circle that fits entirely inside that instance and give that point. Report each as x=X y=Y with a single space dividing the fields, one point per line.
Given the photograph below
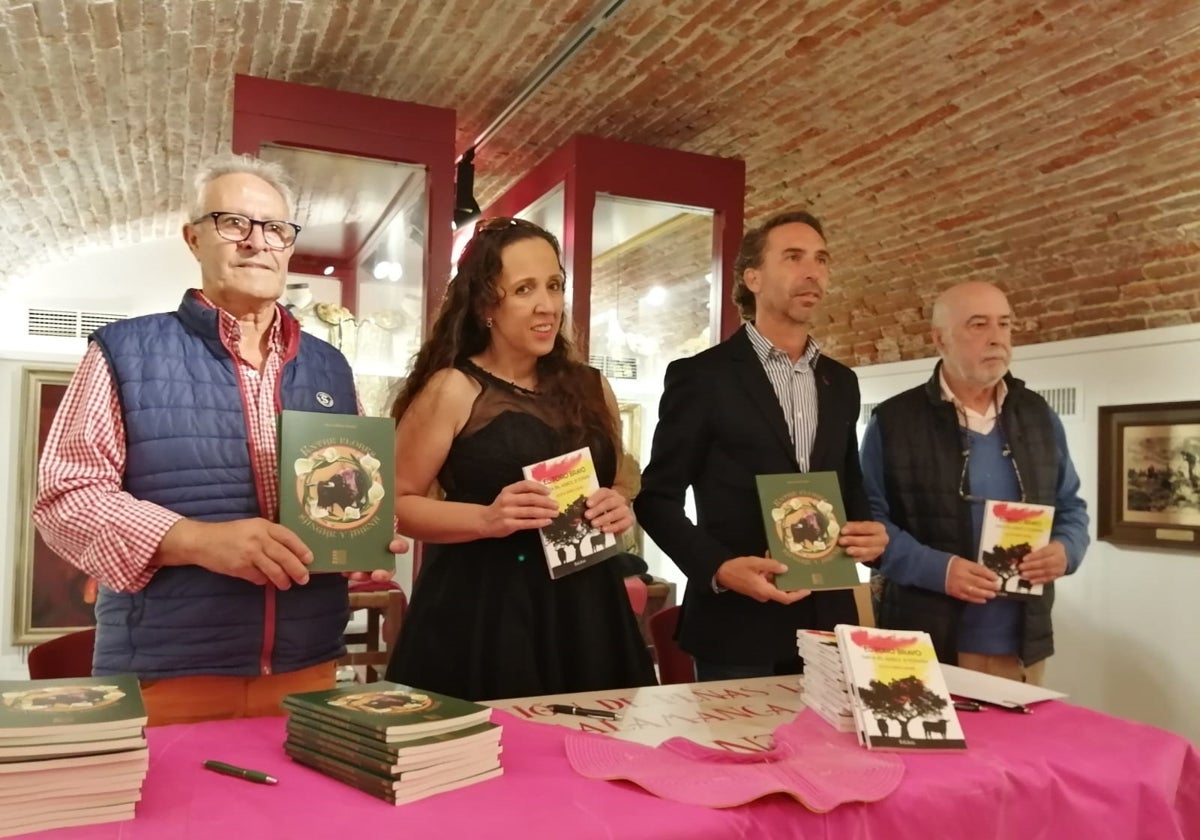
x=159 y=475
x=930 y=458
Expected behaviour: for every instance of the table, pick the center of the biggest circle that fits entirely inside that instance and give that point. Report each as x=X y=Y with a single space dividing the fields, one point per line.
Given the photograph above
x=1062 y=772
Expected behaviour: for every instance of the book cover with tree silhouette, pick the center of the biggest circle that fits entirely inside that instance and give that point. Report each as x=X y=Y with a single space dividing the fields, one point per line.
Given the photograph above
x=336 y=474
x=803 y=514
x=1010 y=531
x=570 y=542
x=897 y=689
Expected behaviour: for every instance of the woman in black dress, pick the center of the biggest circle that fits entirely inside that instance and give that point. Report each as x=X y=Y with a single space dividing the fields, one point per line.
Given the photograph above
x=496 y=388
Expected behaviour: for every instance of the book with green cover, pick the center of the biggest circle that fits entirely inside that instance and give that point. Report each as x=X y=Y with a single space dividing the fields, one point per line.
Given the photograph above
x=29 y=752
x=389 y=709
x=71 y=705
x=803 y=514
x=403 y=768
x=569 y=542
x=393 y=750
x=394 y=790
x=1010 y=531
x=336 y=476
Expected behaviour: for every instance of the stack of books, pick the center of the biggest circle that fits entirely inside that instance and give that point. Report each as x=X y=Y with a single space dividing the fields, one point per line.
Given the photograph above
x=72 y=752
x=824 y=683
x=392 y=741
x=897 y=690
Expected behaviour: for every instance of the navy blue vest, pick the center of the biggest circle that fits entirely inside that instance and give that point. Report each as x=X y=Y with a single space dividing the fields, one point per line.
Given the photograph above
x=922 y=447
x=188 y=450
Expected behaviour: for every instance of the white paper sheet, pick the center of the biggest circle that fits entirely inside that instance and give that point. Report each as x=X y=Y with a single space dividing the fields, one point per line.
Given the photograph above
x=979 y=686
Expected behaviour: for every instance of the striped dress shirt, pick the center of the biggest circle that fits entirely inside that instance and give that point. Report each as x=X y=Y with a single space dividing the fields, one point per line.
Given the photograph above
x=796 y=388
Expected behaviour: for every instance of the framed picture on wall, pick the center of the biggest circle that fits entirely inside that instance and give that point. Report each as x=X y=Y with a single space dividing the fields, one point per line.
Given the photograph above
x=51 y=597
x=1149 y=477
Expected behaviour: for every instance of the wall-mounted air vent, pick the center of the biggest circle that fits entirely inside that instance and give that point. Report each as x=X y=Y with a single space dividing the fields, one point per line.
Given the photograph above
x=865 y=413
x=614 y=368
x=68 y=323
x=1066 y=401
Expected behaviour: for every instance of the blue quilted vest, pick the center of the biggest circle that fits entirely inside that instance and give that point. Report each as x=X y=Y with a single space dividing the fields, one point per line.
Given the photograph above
x=188 y=450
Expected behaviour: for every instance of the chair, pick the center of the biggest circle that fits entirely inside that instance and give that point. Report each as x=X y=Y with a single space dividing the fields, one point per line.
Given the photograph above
x=64 y=657
x=674 y=664
x=385 y=603
x=864 y=604
x=638 y=593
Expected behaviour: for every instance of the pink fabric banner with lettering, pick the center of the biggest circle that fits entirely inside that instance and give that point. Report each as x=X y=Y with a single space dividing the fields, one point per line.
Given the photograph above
x=808 y=762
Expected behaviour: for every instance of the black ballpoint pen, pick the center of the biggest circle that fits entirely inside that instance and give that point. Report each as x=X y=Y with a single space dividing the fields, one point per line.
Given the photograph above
x=240 y=772
x=975 y=705
x=564 y=709
x=1009 y=706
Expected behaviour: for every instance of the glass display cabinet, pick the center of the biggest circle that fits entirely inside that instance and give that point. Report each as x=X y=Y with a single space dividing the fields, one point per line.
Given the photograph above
x=375 y=192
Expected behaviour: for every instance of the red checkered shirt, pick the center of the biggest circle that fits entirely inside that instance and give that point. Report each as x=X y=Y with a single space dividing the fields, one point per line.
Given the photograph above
x=83 y=513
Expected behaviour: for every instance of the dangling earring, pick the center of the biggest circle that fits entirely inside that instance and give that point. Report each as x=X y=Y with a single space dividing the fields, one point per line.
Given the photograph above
x=487 y=323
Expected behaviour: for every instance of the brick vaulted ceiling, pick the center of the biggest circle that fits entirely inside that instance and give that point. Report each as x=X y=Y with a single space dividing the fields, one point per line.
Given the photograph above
x=1053 y=147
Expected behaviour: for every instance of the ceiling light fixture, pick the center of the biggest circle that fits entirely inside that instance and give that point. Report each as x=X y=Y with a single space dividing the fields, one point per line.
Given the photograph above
x=656 y=296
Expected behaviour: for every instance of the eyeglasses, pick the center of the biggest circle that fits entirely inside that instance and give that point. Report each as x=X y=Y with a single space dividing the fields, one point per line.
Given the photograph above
x=1006 y=451
x=237 y=228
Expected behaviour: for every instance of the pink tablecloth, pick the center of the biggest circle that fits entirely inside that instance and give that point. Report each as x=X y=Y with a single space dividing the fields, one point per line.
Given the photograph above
x=1062 y=772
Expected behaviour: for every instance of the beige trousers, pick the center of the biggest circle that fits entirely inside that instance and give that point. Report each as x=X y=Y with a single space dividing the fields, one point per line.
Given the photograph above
x=1009 y=667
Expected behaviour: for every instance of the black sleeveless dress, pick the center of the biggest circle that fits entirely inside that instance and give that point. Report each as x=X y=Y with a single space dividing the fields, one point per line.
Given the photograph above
x=486 y=621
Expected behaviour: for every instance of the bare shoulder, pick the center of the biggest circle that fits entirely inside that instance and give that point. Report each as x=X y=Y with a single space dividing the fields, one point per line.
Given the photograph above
x=451 y=381
x=448 y=391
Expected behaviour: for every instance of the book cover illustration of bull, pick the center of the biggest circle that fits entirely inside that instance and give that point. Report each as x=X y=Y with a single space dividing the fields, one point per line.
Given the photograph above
x=569 y=541
x=336 y=487
x=339 y=486
x=807 y=525
x=900 y=687
x=1010 y=531
x=803 y=515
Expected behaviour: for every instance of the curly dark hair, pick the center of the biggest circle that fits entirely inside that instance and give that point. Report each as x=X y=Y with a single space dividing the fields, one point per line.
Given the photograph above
x=750 y=255
x=459 y=332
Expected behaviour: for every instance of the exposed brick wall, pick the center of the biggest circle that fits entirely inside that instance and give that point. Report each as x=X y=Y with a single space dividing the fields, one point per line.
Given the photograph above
x=1050 y=147
x=675 y=255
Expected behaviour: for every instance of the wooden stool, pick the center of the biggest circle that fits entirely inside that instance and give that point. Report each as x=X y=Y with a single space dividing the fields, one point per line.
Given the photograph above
x=385 y=613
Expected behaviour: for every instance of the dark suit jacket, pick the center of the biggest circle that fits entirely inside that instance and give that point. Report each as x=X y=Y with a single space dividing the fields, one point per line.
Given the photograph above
x=720 y=424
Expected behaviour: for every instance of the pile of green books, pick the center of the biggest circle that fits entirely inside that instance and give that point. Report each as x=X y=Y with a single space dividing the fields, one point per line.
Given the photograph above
x=392 y=741
x=72 y=752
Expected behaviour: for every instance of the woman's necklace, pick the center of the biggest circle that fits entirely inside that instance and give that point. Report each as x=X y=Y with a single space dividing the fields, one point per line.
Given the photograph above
x=518 y=388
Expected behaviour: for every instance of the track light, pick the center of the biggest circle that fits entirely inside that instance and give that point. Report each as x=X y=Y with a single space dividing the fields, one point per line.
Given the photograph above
x=466 y=207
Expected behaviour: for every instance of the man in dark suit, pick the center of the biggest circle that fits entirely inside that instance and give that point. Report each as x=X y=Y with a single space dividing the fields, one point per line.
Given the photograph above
x=763 y=401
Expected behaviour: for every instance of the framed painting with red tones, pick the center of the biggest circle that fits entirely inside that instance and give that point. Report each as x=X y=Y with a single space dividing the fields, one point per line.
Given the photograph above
x=51 y=596
x=1149 y=477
